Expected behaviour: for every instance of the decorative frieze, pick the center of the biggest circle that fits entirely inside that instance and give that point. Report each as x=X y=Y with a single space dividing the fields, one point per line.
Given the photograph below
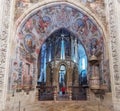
x=115 y=57
x=3 y=49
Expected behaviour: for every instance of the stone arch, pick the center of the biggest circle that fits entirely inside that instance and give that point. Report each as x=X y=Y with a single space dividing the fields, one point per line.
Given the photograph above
x=34 y=27
x=78 y=19
x=62 y=63
x=73 y=4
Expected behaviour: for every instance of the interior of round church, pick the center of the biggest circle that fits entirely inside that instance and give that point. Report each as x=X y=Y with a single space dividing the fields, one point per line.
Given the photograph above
x=59 y=57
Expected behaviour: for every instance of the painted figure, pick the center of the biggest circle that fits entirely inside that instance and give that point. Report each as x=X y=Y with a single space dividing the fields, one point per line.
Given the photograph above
x=43 y=23
x=29 y=43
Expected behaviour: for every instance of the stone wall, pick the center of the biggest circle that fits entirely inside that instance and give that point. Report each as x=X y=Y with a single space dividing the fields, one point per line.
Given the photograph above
x=114 y=43
x=4 y=43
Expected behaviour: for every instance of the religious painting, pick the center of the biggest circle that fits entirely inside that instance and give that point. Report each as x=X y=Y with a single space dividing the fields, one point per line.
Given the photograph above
x=14 y=74
x=43 y=23
x=80 y=25
x=27 y=78
x=93 y=46
x=29 y=43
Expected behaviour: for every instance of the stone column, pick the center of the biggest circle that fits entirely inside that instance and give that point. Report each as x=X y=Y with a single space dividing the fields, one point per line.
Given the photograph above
x=69 y=77
x=69 y=82
x=76 y=83
x=113 y=12
x=70 y=93
x=48 y=76
x=5 y=24
x=76 y=49
x=55 y=78
x=72 y=48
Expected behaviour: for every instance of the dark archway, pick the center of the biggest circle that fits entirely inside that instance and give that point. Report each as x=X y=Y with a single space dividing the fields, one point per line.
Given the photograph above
x=62 y=47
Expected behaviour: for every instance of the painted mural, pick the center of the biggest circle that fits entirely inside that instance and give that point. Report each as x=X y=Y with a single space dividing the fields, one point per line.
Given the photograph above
x=40 y=25
x=29 y=43
x=96 y=6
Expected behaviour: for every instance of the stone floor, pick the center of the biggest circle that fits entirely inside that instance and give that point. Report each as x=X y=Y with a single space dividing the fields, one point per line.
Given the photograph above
x=66 y=106
x=23 y=102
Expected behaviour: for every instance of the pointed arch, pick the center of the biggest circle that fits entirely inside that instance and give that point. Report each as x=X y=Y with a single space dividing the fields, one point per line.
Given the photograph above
x=40 y=21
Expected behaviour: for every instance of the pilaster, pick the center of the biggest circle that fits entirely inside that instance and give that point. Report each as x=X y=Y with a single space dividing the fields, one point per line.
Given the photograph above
x=4 y=43
x=114 y=51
